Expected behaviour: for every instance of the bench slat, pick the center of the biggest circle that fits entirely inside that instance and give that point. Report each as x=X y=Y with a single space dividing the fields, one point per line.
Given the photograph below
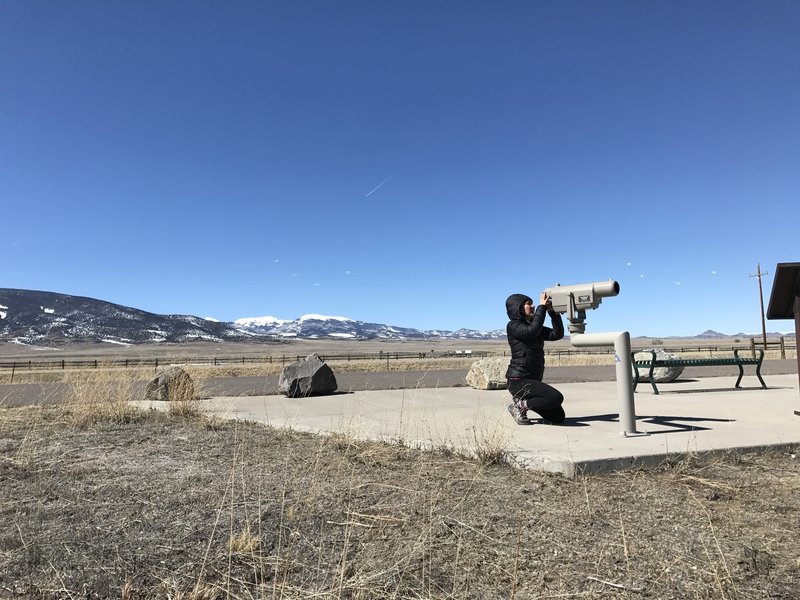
x=696 y=361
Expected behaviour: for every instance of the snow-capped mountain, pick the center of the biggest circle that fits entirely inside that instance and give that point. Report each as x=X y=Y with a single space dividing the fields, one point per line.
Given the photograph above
x=320 y=326
x=35 y=317
x=32 y=317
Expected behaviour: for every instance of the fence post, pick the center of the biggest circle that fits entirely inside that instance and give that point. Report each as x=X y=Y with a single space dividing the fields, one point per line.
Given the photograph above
x=753 y=347
x=783 y=349
x=13 y=368
x=62 y=363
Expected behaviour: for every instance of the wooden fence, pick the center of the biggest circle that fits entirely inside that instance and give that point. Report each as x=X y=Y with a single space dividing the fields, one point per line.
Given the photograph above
x=283 y=359
x=781 y=344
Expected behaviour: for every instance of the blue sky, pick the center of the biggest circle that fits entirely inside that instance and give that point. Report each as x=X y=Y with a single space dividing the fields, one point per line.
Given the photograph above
x=409 y=163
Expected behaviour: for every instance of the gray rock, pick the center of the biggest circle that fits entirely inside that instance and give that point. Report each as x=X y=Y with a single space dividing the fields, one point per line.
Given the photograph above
x=488 y=374
x=660 y=374
x=307 y=377
x=172 y=384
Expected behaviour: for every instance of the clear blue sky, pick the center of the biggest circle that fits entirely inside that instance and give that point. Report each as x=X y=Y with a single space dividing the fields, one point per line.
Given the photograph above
x=409 y=163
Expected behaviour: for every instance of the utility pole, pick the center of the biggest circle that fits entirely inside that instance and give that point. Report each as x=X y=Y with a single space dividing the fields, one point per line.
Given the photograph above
x=759 y=275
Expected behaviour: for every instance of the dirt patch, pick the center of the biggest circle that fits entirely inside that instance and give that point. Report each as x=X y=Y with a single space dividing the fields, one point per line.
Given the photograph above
x=154 y=505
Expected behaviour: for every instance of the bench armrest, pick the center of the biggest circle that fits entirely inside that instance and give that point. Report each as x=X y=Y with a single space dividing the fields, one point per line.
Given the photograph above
x=636 y=369
x=760 y=351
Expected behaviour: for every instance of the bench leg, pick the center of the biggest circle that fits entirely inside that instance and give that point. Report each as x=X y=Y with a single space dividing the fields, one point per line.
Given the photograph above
x=649 y=376
x=653 y=381
x=741 y=374
x=758 y=374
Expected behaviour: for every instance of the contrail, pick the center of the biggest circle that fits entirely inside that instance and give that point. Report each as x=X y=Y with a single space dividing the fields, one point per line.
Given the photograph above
x=377 y=187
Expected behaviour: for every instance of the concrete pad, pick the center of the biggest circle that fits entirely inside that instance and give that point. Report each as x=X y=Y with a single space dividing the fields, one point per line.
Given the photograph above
x=695 y=416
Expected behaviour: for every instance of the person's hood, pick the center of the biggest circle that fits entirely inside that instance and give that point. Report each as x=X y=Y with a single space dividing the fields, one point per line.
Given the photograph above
x=514 y=305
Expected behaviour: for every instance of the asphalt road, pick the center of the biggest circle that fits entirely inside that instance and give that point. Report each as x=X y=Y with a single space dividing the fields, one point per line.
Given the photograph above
x=360 y=381
x=52 y=393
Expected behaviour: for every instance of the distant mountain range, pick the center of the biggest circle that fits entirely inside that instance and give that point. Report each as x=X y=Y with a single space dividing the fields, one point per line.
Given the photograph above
x=319 y=326
x=47 y=318
x=37 y=318
x=711 y=334
x=30 y=317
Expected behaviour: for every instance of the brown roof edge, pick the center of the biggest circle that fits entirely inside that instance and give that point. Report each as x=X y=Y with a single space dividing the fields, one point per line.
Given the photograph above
x=785 y=288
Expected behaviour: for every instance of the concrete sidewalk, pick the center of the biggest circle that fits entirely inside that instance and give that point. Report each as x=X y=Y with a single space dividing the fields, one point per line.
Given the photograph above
x=698 y=415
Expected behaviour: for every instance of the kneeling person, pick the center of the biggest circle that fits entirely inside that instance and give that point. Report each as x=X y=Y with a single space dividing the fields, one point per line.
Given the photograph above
x=527 y=334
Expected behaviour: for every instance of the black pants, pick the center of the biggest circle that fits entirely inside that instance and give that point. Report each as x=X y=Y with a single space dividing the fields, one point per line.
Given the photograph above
x=540 y=398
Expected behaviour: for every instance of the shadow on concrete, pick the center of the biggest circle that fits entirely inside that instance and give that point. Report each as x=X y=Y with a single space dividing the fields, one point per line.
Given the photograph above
x=675 y=423
x=662 y=391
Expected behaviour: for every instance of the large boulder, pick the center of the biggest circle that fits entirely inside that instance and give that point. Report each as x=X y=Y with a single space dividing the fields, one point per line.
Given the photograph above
x=660 y=374
x=488 y=374
x=172 y=384
x=307 y=377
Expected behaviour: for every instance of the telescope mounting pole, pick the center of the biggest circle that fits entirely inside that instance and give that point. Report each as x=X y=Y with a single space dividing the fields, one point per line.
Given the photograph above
x=576 y=318
x=621 y=340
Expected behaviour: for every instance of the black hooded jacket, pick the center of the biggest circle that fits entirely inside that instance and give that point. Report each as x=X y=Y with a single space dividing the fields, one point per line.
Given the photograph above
x=527 y=338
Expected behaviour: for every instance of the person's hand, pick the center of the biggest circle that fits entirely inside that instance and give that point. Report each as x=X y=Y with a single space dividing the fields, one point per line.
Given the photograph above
x=544 y=299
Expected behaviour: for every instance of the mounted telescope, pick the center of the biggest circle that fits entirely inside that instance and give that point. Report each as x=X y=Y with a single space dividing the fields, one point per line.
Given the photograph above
x=575 y=300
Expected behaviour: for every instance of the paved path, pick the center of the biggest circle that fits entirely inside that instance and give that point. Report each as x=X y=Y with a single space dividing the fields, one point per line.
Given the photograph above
x=363 y=381
x=689 y=416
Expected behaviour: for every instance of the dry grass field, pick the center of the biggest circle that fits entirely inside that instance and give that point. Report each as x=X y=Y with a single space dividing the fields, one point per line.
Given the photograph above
x=101 y=500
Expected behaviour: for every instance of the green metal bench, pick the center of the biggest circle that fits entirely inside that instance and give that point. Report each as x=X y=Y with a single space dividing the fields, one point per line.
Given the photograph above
x=653 y=363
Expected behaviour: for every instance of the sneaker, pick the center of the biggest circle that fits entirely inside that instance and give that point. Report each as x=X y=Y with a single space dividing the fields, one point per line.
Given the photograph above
x=519 y=413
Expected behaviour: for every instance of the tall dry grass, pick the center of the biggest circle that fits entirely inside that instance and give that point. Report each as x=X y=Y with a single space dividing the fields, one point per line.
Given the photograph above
x=99 y=396
x=275 y=550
